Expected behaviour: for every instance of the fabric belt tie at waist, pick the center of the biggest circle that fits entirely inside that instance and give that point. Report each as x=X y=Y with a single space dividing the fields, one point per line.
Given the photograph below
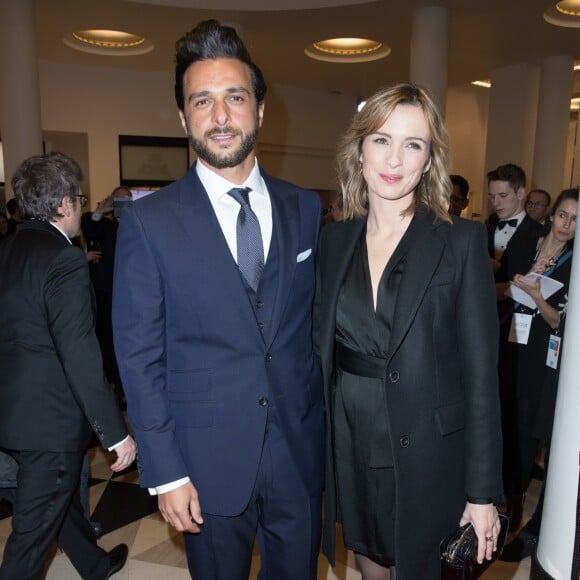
x=356 y=363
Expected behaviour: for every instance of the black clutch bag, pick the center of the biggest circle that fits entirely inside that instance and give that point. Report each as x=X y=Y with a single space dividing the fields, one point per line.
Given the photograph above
x=459 y=553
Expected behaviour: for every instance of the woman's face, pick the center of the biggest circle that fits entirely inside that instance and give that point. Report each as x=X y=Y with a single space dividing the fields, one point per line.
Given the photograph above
x=394 y=157
x=3 y=225
x=564 y=220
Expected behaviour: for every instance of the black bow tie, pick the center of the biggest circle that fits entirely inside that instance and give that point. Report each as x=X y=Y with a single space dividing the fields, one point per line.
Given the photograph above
x=501 y=224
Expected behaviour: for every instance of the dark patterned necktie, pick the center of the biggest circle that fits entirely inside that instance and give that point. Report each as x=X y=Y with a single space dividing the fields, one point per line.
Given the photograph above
x=249 y=239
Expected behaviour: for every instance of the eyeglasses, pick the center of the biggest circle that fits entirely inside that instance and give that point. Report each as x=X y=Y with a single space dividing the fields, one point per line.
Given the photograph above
x=535 y=204
x=83 y=199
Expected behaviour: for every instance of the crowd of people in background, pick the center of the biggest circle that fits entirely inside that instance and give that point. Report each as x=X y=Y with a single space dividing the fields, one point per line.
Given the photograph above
x=217 y=340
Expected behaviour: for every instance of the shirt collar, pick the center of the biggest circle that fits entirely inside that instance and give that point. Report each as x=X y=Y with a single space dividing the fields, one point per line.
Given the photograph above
x=519 y=216
x=217 y=187
x=54 y=225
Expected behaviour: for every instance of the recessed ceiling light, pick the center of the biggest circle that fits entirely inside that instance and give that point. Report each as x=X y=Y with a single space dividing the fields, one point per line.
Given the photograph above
x=108 y=42
x=485 y=84
x=347 y=50
x=569 y=7
x=564 y=13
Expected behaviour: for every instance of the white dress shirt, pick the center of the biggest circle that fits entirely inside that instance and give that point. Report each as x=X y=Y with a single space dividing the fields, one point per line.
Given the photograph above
x=502 y=237
x=226 y=209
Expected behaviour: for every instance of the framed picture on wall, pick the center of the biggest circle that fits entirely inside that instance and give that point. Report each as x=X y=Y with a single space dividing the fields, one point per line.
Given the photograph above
x=152 y=161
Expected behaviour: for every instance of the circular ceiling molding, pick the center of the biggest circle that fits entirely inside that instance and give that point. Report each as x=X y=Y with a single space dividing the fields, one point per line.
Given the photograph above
x=565 y=13
x=253 y=5
x=108 y=42
x=347 y=50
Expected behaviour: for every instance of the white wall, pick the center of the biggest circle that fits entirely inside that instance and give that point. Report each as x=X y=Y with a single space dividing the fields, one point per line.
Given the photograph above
x=297 y=140
x=466 y=121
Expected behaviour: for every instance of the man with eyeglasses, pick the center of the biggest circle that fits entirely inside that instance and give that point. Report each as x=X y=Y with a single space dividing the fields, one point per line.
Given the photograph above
x=53 y=391
x=538 y=205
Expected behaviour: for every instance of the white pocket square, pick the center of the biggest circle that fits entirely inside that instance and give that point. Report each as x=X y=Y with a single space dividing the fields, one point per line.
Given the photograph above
x=303 y=255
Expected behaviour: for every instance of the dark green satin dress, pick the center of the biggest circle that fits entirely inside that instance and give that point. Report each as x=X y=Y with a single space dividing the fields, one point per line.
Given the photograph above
x=362 y=444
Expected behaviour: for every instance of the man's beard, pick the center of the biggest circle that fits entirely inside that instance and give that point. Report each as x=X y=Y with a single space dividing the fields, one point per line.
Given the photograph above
x=229 y=158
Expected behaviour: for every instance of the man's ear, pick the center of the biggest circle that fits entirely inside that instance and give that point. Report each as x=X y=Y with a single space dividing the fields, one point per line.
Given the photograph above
x=521 y=193
x=65 y=206
x=260 y=113
x=183 y=120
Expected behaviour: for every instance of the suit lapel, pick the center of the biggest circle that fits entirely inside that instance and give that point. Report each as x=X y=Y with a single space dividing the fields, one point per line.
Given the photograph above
x=285 y=229
x=195 y=216
x=421 y=263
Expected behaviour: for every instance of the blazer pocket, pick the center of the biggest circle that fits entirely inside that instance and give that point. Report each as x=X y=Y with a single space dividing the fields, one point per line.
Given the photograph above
x=188 y=381
x=450 y=418
x=443 y=277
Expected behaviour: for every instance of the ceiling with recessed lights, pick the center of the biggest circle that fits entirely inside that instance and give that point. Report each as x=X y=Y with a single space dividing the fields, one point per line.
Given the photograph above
x=484 y=34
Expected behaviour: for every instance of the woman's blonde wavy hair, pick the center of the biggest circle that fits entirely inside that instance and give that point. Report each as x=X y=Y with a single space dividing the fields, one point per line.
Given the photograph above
x=435 y=187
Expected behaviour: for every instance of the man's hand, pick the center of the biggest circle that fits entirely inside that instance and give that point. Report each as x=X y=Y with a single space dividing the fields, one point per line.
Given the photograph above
x=93 y=256
x=126 y=453
x=105 y=205
x=180 y=508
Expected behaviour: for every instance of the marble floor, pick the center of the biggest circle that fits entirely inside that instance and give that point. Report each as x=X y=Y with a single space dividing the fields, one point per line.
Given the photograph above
x=156 y=552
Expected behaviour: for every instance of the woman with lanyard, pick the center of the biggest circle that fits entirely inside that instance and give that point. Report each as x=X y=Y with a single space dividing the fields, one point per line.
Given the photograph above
x=536 y=339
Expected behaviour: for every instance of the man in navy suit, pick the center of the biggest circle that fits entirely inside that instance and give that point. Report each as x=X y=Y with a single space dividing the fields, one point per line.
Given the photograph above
x=223 y=389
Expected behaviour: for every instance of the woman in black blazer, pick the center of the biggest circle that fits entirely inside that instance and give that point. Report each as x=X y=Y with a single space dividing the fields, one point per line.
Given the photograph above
x=406 y=331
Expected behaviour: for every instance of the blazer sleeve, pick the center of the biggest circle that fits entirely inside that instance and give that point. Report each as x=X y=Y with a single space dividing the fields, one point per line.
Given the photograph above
x=67 y=299
x=477 y=330
x=139 y=328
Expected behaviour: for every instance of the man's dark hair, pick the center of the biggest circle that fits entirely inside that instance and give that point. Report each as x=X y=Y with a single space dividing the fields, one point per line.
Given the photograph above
x=461 y=183
x=41 y=183
x=11 y=206
x=543 y=192
x=209 y=40
x=509 y=172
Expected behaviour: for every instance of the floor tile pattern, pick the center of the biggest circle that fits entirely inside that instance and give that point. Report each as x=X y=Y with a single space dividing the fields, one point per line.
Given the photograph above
x=129 y=514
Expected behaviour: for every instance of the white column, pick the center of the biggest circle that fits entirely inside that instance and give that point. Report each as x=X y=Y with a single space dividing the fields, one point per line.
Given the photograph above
x=552 y=124
x=556 y=543
x=19 y=86
x=429 y=51
x=511 y=125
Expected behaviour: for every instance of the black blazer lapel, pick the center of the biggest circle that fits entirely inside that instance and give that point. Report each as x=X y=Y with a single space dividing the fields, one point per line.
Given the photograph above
x=337 y=258
x=421 y=263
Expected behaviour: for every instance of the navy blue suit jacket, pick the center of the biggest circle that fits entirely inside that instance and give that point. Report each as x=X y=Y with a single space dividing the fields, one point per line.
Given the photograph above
x=196 y=362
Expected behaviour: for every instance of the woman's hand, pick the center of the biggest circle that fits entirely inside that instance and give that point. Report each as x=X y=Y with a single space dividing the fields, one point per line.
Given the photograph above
x=485 y=521
x=529 y=287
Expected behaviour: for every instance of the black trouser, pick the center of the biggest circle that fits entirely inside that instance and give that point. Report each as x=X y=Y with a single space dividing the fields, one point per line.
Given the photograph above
x=47 y=508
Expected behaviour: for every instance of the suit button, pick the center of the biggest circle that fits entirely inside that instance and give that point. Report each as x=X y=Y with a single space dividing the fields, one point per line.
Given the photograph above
x=259 y=304
x=404 y=441
x=394 y=376
x=268 y=357
x=260 y=325
x=263 y=401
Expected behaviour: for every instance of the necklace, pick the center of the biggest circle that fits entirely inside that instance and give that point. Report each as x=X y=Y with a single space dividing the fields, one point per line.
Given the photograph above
x=555 y=256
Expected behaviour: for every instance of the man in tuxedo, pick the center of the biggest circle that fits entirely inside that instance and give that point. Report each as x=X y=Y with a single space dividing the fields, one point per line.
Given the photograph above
x=212 y=300
x=509 y=242
x=52 y=386
x=513 y=229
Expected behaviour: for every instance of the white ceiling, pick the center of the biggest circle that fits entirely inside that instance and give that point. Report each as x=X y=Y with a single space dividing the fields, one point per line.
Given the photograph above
x=484 y=34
